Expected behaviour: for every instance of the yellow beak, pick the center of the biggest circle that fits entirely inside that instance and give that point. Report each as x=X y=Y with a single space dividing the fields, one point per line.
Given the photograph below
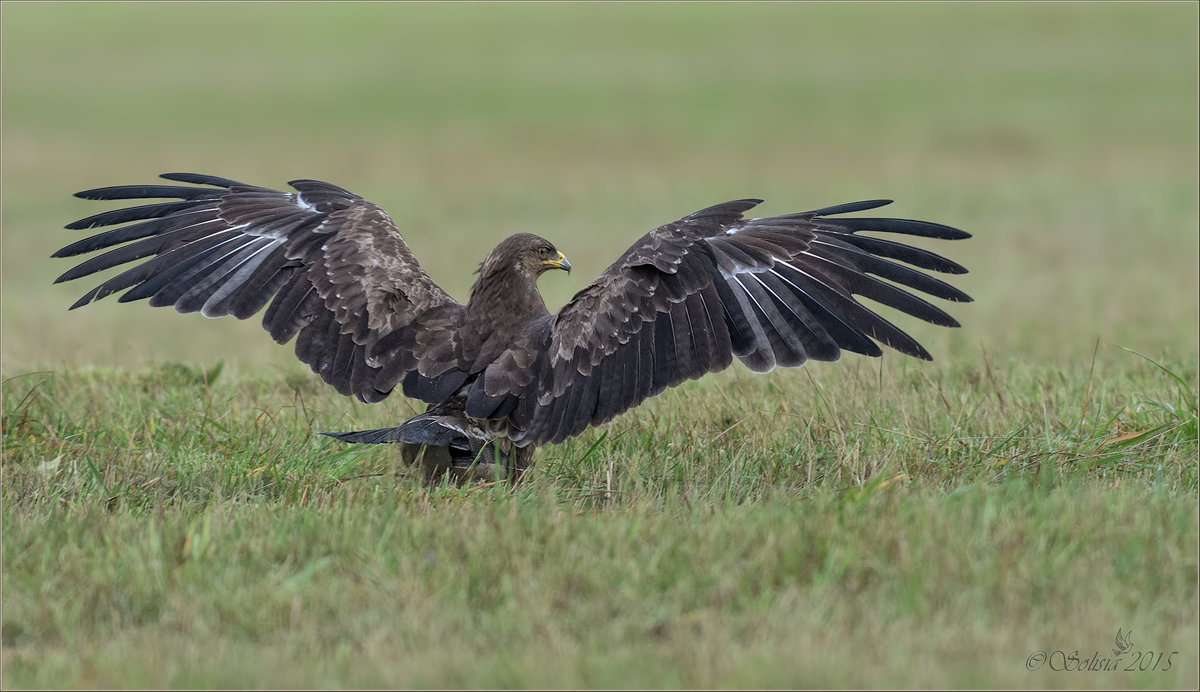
x=560 y=262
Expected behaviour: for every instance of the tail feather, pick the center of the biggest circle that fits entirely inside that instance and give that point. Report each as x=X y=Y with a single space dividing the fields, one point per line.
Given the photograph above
x=443 y=439
x=422 y=430
x=370 y=437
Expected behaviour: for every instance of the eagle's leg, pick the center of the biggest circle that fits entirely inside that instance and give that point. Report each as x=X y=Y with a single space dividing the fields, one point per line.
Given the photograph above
x=437 y=462
x=489 y=464
x=510 y=462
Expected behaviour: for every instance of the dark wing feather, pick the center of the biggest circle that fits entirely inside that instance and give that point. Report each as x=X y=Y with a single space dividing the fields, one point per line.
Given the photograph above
x=333 y=266
x=690 y=296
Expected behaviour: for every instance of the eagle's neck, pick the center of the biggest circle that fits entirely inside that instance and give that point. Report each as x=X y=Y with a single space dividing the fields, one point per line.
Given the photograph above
x=502 y=303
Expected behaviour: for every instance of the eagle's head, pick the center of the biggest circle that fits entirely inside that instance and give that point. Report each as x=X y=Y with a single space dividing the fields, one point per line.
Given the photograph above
x=525 y=254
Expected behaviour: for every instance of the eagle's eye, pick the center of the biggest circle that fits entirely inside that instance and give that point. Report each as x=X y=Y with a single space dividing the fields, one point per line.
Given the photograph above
x=543 y=253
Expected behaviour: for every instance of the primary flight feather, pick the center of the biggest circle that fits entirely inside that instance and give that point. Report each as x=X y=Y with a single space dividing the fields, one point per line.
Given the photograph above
x=502 y=374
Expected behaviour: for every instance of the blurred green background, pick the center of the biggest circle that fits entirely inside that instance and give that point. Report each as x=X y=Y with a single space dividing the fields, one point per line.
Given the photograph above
x=1064 y=136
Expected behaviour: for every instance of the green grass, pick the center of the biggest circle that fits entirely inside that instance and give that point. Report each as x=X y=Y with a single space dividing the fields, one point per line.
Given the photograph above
x=171 y=518
x=155 y=518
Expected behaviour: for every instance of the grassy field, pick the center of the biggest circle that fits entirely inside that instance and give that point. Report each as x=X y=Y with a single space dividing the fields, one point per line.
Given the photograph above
x=171 y=519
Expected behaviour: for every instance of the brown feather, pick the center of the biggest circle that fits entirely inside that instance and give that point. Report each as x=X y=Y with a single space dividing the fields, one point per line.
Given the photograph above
x=691 y=295
x=321 y=256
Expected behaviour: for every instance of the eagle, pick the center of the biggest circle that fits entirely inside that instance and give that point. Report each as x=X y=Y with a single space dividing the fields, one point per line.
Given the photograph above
x=501 y=374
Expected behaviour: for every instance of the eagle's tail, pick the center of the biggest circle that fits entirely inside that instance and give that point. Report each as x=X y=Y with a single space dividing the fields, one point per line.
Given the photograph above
x=440 y=444
x=422 y=430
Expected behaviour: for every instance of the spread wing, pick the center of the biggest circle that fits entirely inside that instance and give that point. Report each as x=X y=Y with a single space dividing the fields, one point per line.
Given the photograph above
x=334 y=268
x=690 y=296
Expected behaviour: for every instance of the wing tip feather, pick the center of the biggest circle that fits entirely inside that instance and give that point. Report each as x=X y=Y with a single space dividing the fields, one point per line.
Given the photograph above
x=200 y=179
x=850 y=207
